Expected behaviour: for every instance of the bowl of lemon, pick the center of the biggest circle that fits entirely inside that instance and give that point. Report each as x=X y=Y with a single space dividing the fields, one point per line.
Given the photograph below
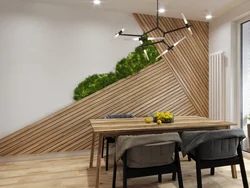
x=163 y=117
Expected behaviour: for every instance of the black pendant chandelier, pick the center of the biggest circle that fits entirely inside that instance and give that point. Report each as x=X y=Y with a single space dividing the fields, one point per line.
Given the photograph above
x=161 y=39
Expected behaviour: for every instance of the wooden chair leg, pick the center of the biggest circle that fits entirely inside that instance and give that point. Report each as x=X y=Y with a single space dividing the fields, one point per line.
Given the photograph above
x=242 y=167
x=103 y=146
x=174 y=176
x=212 y=171
x=114 y=173
x=159 y=178
x=198 y=169
x=107 y=156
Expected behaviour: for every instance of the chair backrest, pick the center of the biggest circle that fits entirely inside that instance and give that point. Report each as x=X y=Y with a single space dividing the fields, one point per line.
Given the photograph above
x=151 y=155
x=212 y=145
x=116 y=116
x=219 y=149
x=148 y=150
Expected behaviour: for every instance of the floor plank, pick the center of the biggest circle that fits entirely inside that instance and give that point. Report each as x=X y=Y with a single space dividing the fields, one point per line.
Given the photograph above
x=73 y=172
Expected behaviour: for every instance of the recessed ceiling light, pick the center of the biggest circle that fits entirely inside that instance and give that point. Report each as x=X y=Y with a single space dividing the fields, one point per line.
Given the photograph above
x=97 y=2
x=209 y=16
x=162 y=10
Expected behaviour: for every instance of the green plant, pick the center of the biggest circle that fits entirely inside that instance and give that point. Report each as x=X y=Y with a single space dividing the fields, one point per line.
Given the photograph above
x=133 y=63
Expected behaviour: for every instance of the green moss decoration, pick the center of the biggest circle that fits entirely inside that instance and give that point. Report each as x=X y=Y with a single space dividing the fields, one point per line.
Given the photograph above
x=133 y=63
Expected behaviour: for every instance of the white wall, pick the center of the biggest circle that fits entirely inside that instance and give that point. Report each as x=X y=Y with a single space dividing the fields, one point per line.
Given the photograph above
x=46 y=50
x=223 y=37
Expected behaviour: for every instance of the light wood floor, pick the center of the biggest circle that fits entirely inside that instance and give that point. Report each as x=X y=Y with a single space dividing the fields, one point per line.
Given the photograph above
x=72 y=172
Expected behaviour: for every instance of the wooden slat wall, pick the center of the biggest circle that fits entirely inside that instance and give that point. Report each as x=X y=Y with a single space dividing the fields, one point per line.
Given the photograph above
x=189 y=61
x=161 y=86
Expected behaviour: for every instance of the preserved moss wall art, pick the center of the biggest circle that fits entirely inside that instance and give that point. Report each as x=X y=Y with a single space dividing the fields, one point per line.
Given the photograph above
x=133 y=63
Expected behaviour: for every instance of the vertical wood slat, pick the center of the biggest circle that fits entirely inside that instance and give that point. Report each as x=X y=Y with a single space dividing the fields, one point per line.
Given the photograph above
x=178 y=83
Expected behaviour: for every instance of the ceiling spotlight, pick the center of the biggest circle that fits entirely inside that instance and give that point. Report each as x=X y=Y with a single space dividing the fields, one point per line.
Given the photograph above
x=162 y=10
x=97 y=2
x=209 y=16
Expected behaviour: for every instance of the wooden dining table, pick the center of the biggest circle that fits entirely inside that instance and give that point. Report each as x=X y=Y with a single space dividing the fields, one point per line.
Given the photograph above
x=117 y=127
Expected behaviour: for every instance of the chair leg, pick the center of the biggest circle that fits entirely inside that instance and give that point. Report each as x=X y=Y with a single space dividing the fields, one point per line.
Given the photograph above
x=114 y=174
x=107 y=156
x=212 y=171
x=159 y=178
x=125 y=177
x=177 y=161
x=103 y=146
x=198 y=174
x=242 y=167
x=180 y=181
x=174 y=176
x=198 y=169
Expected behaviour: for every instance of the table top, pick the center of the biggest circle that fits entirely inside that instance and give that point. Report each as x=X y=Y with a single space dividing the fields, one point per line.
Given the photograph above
x=181 y=123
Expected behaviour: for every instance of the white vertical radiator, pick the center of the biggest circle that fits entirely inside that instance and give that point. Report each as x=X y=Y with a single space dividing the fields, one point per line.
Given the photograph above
x=217 y=86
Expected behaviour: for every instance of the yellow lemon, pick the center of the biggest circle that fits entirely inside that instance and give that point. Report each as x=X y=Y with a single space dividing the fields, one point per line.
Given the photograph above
x=159 y=122
x=147 y=120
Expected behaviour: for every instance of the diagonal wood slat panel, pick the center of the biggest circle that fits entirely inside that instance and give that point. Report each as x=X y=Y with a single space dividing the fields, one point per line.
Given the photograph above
x=152 y=89
x=189 y=61
x=178 y=83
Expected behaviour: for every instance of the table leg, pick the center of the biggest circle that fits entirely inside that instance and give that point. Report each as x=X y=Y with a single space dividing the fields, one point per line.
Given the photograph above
x=234 y=172
x=92 y=151
x=233 y=167
x=98 y=166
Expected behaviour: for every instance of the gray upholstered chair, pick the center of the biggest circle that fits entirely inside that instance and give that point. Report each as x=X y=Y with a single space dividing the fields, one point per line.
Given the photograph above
x=147 y=155
x=110 y=139
x=212 y=149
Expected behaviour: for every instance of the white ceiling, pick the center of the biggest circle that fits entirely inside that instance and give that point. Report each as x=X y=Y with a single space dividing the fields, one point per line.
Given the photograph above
x=193 y=9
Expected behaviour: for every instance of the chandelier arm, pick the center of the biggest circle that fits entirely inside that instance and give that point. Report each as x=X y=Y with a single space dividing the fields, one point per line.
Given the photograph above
x=130 y=35
x=150 y=31
x=158 y=42
x=176 y=29
x=145 y=45
x=161 y=30
x=166 y=43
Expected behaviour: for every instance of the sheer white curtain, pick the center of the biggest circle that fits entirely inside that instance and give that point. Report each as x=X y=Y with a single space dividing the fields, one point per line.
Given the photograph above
x=245 y=72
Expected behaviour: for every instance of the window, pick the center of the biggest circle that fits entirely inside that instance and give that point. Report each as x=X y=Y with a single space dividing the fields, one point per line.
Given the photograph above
x=245 y=81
